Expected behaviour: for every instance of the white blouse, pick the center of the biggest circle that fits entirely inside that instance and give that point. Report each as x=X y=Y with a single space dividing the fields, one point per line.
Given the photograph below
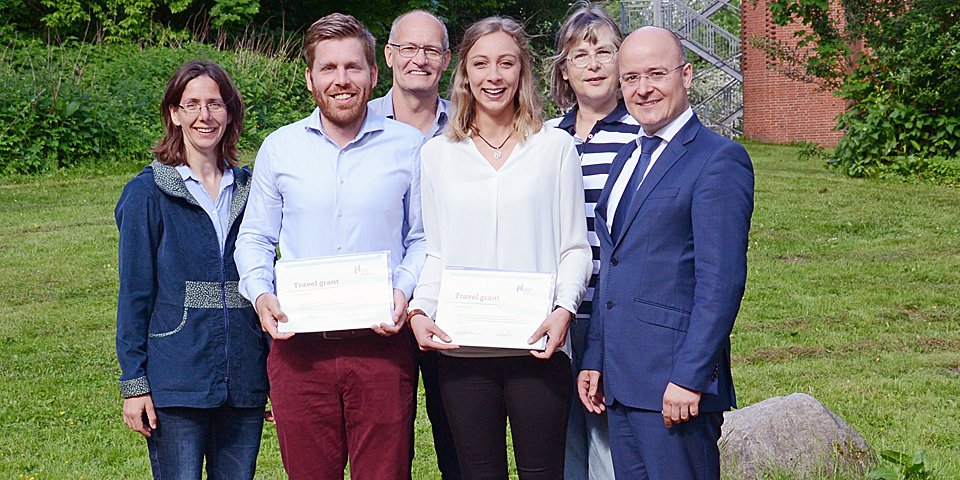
x=527 y=216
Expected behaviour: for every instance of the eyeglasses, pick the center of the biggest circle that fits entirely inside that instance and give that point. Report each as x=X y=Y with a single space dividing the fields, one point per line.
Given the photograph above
x=582 y=58
x=212 y=107
x=410 y=51
x=655 y=77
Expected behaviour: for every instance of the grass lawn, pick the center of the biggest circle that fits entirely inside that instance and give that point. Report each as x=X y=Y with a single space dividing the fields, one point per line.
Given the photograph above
x=852 y=298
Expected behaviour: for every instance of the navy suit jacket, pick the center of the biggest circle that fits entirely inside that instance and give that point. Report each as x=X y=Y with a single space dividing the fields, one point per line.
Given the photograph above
x=670 y=286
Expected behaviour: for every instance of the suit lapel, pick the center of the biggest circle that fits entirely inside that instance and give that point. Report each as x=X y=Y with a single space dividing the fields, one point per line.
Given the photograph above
x=675 y=150
x=616 y=168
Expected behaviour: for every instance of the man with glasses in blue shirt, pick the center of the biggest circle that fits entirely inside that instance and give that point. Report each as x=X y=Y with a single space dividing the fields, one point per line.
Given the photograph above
x=418 y=52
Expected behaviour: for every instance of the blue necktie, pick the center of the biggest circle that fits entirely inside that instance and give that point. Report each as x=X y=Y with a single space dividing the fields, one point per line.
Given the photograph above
x=647 y=146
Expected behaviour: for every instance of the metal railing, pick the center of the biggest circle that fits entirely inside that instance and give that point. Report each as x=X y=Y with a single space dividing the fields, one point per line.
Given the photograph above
x=721 y=106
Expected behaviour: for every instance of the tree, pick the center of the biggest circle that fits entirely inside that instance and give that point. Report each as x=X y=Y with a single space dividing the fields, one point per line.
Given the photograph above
x=895 y=62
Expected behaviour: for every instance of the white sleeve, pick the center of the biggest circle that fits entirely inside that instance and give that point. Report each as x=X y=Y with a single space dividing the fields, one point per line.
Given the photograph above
x=576 y=258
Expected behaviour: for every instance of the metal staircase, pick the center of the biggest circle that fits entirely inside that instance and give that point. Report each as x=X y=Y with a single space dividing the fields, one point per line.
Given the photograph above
x=717 y=92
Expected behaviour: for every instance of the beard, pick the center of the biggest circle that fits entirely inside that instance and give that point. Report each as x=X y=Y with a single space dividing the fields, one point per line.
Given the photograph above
x=343 y=115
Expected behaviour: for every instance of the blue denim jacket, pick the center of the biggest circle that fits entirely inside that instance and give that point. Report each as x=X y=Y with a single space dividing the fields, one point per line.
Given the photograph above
x=184 y=333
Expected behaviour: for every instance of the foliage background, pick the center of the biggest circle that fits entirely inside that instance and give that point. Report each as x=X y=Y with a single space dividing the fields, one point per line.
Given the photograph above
x=896 y=63
x=80 y=81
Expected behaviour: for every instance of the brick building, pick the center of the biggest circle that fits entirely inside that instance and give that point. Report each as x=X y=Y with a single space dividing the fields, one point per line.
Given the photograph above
x=776 y=108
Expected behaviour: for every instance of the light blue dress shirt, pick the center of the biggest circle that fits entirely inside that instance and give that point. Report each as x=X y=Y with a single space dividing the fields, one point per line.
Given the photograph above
x=219 y=210
x=384 y=106
x=313 y=198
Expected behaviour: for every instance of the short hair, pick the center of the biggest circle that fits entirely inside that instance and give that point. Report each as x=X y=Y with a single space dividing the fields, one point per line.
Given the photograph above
x=396 y=21
x=338 y=26
x=170 y=150
x=681 y=51
x=528 y=117
x=586 y=23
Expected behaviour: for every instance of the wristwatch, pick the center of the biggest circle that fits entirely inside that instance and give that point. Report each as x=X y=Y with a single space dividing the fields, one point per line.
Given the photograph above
x=414 y=313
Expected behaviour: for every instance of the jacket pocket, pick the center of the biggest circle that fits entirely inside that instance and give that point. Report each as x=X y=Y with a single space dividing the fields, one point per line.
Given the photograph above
x=662 y=315
x=167 y=320
x=663 y=193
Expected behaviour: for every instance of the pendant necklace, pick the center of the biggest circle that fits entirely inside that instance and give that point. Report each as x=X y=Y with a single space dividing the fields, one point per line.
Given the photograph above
x=496 y=150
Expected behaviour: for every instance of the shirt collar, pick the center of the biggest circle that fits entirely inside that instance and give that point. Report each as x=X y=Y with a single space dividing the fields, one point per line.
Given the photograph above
x=569 y=121
x=618 y=115
x=373 y=122
x=187 y=174
x=442 y=113
x=667 y=133
x=385 y=106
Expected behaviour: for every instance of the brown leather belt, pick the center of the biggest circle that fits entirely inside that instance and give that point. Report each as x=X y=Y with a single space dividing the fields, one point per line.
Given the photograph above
x=346 y=334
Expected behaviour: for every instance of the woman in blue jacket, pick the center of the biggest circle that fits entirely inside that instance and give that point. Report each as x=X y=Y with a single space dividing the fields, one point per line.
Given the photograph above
x=192 y=355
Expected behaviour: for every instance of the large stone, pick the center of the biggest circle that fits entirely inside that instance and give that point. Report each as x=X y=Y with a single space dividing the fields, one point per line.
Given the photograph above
x=794 y=435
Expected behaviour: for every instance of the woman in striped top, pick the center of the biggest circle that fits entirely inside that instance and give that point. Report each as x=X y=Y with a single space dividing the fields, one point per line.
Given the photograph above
x=584 y=81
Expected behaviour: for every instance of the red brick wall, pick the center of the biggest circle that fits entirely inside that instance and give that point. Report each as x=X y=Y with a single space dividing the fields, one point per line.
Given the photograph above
x=776 y=108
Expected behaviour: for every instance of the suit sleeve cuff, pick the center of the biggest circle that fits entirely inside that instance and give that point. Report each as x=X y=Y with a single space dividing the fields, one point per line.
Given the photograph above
x=592 y=359
x=703 y=383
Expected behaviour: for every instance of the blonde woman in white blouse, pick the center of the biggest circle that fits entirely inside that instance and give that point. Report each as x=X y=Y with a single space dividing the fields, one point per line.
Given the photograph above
x=501 y=191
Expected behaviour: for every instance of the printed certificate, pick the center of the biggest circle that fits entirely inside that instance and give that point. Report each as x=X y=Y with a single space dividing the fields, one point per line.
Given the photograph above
x=343 y=292
x=494 y=308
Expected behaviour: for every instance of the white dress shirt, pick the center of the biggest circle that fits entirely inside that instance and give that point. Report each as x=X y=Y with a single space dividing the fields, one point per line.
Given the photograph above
x=526 y=216
x=666 y=135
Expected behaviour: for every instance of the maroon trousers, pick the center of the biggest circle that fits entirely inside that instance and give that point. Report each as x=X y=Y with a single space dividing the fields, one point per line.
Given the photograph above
x=334 y=399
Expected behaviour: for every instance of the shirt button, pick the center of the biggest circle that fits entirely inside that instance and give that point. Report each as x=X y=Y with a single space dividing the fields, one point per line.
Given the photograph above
x=338 y=246
x=339 y=213
x=589 y=136
x=613 y=262
x=609 y=305
x=341 y=181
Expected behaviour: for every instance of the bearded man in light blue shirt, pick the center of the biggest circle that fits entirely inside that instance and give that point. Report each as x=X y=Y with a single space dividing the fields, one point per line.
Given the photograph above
x=343 y=180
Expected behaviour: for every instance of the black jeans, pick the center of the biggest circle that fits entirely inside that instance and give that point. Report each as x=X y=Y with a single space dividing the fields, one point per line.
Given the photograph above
x=480 y=394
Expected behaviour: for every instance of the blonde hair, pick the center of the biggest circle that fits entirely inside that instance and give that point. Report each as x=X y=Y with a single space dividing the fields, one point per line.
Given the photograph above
x=528 y=116
x=586 y=23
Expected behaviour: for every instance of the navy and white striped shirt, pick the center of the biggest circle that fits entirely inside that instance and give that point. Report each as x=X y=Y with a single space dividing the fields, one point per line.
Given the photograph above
x=596 y=155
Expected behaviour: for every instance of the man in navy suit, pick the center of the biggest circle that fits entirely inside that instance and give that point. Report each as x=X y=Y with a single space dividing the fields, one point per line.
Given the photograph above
x=673 y=221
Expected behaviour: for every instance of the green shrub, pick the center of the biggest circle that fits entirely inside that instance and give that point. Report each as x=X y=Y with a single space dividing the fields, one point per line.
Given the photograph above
x=896 y=65
x=884 y=131
x=80 y=104
x=905 y=467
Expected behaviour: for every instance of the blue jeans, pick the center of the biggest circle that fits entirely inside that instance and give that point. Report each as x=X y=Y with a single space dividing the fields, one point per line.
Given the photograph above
x=228 y=438
x=588 y=439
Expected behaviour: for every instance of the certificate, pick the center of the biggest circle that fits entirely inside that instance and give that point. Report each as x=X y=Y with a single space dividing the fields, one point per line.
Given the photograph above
x=343 y=292
x=494 y=308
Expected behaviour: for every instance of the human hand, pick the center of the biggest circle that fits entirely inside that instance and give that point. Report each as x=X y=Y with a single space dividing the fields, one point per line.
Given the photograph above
x=590 y=390
x=268 y=309
x=555 y=327
x=679 y=404
x=399 y=315
x=134 y=411
x=424 y=329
